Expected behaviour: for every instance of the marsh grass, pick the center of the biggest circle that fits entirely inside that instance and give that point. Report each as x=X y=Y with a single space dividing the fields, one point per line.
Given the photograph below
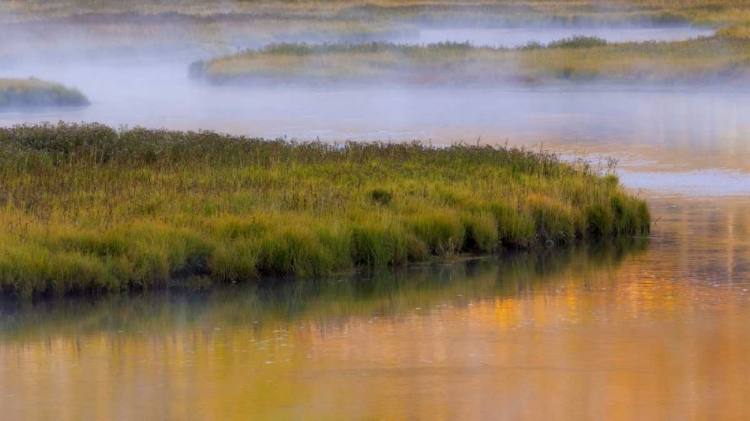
x=722 y=58
x=89 y=208
x=740 y=32
x=578 y=41
x=32 y=92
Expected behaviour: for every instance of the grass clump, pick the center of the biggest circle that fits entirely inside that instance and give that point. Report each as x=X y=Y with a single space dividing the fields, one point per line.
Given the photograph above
x=578 y=41
x=91 y=208
x=32 y=92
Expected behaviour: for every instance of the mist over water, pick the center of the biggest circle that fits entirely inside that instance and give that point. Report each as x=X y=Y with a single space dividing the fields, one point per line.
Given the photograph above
x=696 y=137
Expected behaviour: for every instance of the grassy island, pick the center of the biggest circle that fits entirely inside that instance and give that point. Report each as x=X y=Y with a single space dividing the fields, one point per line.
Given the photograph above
x=722 y=58
x=90 y=208
x=33 y=93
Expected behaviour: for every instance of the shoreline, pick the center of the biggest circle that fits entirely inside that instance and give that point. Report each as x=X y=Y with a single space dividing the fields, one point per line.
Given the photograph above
x=720 y=59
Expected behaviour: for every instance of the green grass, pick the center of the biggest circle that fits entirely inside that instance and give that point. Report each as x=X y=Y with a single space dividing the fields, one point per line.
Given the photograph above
x=89 y=208
x=25 y=93
x=722 y=58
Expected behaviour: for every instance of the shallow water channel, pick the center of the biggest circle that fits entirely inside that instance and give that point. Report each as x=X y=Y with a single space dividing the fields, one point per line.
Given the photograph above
x=655 y=330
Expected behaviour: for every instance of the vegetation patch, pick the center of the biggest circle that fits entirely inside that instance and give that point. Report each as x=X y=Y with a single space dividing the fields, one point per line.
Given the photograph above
x=719 y=59
x=90 y=208
x=30 y=93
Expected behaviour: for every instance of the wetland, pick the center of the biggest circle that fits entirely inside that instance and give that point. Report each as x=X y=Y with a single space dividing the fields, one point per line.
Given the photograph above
x=324 y=275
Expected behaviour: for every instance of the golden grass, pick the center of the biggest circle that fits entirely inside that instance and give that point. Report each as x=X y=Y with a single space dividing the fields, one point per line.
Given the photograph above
x=715 y=59
x=87 y=208
x=737 y=32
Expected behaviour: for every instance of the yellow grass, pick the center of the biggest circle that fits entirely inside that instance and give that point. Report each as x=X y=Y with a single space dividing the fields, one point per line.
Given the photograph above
x=716 y=59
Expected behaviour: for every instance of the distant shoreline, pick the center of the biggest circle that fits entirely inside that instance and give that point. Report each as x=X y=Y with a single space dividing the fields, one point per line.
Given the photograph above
x=724 y=58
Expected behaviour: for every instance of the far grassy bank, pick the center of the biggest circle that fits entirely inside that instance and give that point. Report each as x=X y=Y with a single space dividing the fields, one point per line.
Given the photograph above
x=432 y=12
x=109 y=28
x=722 y=58
x=89 y=208
x=31 y=93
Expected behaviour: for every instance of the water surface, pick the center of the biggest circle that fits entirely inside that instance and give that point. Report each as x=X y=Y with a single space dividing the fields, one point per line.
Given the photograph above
x=651 y=331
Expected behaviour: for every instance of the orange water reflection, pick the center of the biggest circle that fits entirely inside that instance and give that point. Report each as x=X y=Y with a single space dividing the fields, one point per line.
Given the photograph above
x=655 y=335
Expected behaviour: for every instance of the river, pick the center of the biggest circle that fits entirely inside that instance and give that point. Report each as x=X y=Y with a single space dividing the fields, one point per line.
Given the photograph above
x=655 y=330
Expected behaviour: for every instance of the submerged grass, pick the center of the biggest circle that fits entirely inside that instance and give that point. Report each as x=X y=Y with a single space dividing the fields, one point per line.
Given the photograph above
x=32 y=92
x=90 y=208
x=722 y=58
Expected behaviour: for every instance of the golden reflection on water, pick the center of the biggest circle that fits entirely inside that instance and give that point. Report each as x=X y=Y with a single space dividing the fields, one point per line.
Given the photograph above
x=660 y=334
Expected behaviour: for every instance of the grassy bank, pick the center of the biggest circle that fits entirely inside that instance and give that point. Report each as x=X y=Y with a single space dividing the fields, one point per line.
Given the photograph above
x=88 y=208
x=716 y=59
x=29 y=93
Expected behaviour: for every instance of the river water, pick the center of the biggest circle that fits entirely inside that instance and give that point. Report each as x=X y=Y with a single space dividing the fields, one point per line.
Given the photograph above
x=652 y=330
